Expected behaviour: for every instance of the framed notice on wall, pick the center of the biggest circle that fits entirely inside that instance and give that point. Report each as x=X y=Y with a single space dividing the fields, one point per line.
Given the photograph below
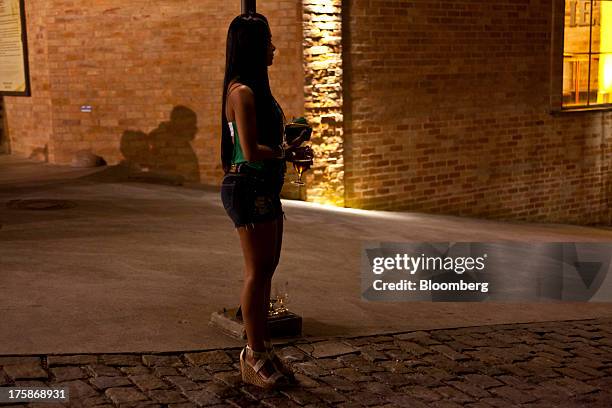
x=14 y=72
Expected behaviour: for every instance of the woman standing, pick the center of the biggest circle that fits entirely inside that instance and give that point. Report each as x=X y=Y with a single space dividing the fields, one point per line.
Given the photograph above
x=253 y=154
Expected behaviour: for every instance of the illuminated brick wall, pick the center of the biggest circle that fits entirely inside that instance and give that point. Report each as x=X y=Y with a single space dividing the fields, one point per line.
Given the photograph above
x=447 y=111
x=439 y=107
x=133 y=63
x=323 y=103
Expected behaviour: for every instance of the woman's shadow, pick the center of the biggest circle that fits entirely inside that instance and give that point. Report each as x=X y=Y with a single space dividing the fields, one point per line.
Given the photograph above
x=164 y=153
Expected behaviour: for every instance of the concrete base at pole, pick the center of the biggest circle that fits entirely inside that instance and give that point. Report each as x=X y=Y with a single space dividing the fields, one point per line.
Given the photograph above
x=285 y=325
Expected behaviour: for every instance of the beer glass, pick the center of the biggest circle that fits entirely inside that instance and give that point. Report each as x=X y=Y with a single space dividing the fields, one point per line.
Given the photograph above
x=301 y=162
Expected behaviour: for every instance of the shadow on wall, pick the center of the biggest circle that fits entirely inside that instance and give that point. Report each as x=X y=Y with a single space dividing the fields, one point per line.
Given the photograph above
x=166 y=151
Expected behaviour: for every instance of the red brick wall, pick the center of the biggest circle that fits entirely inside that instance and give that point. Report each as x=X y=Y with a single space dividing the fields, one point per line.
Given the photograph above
x=447 y=111
x=133 y=63
x=446 y=104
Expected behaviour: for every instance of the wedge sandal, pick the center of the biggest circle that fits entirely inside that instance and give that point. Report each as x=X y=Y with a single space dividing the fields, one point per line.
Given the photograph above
x=279 y=364
x=251 y=373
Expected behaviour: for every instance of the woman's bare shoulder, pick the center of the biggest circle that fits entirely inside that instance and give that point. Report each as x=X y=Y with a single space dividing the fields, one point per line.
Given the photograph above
x=238 y=86
x=240 y=98
x=241 y=94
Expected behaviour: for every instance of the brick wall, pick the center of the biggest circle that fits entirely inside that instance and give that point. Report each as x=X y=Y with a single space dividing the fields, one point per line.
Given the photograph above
x=446 y=104
x=447 y=111
x=323 y=103
x=134 y=63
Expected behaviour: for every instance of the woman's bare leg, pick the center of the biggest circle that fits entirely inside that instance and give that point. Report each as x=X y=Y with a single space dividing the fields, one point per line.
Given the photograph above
x=259 y=255
x=278 y=242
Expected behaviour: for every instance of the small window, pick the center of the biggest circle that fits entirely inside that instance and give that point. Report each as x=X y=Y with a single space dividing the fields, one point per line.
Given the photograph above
x=587 y=53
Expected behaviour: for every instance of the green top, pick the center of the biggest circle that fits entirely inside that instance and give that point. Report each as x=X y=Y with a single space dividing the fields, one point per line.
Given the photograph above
x=238 y=156
x=262 y=165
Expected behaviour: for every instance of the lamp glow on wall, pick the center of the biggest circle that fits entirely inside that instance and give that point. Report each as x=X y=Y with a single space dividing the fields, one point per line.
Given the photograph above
x=605 y=60
x=322 y=29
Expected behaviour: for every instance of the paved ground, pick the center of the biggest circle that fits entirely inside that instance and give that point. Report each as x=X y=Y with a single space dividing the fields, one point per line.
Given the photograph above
x=112 y=297
x=138 y=267
x=561 y=364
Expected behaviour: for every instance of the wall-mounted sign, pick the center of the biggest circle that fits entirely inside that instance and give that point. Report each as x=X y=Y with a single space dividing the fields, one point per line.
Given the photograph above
x=14 y=72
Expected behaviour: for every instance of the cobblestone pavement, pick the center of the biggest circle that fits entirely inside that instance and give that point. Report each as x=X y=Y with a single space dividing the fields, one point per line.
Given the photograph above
x=561 y=364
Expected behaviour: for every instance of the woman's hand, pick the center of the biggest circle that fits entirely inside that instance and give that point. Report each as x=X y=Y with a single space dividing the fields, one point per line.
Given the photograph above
x=300 y=153
x=300 y=139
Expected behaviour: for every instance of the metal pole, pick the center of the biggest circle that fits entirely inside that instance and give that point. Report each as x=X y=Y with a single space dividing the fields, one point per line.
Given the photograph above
x=248 y=6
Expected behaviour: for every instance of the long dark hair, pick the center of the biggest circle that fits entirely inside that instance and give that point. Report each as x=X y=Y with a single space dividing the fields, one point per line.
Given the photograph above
x=248 y=37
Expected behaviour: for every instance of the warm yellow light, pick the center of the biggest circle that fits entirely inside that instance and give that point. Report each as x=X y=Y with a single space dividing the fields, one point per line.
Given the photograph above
x=605 y=60
x=332 y=207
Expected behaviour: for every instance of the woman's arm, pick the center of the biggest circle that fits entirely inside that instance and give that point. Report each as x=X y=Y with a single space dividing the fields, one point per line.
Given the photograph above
x=243 y=102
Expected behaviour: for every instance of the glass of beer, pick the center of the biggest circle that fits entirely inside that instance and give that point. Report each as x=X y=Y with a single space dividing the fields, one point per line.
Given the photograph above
x=279 y=300
x=302 y=162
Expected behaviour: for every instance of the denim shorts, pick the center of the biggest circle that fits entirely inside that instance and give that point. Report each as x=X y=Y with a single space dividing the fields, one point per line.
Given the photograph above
x=249 y=200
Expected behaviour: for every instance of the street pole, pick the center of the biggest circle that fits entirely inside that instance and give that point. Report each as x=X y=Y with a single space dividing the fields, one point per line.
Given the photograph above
x=248 y=6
